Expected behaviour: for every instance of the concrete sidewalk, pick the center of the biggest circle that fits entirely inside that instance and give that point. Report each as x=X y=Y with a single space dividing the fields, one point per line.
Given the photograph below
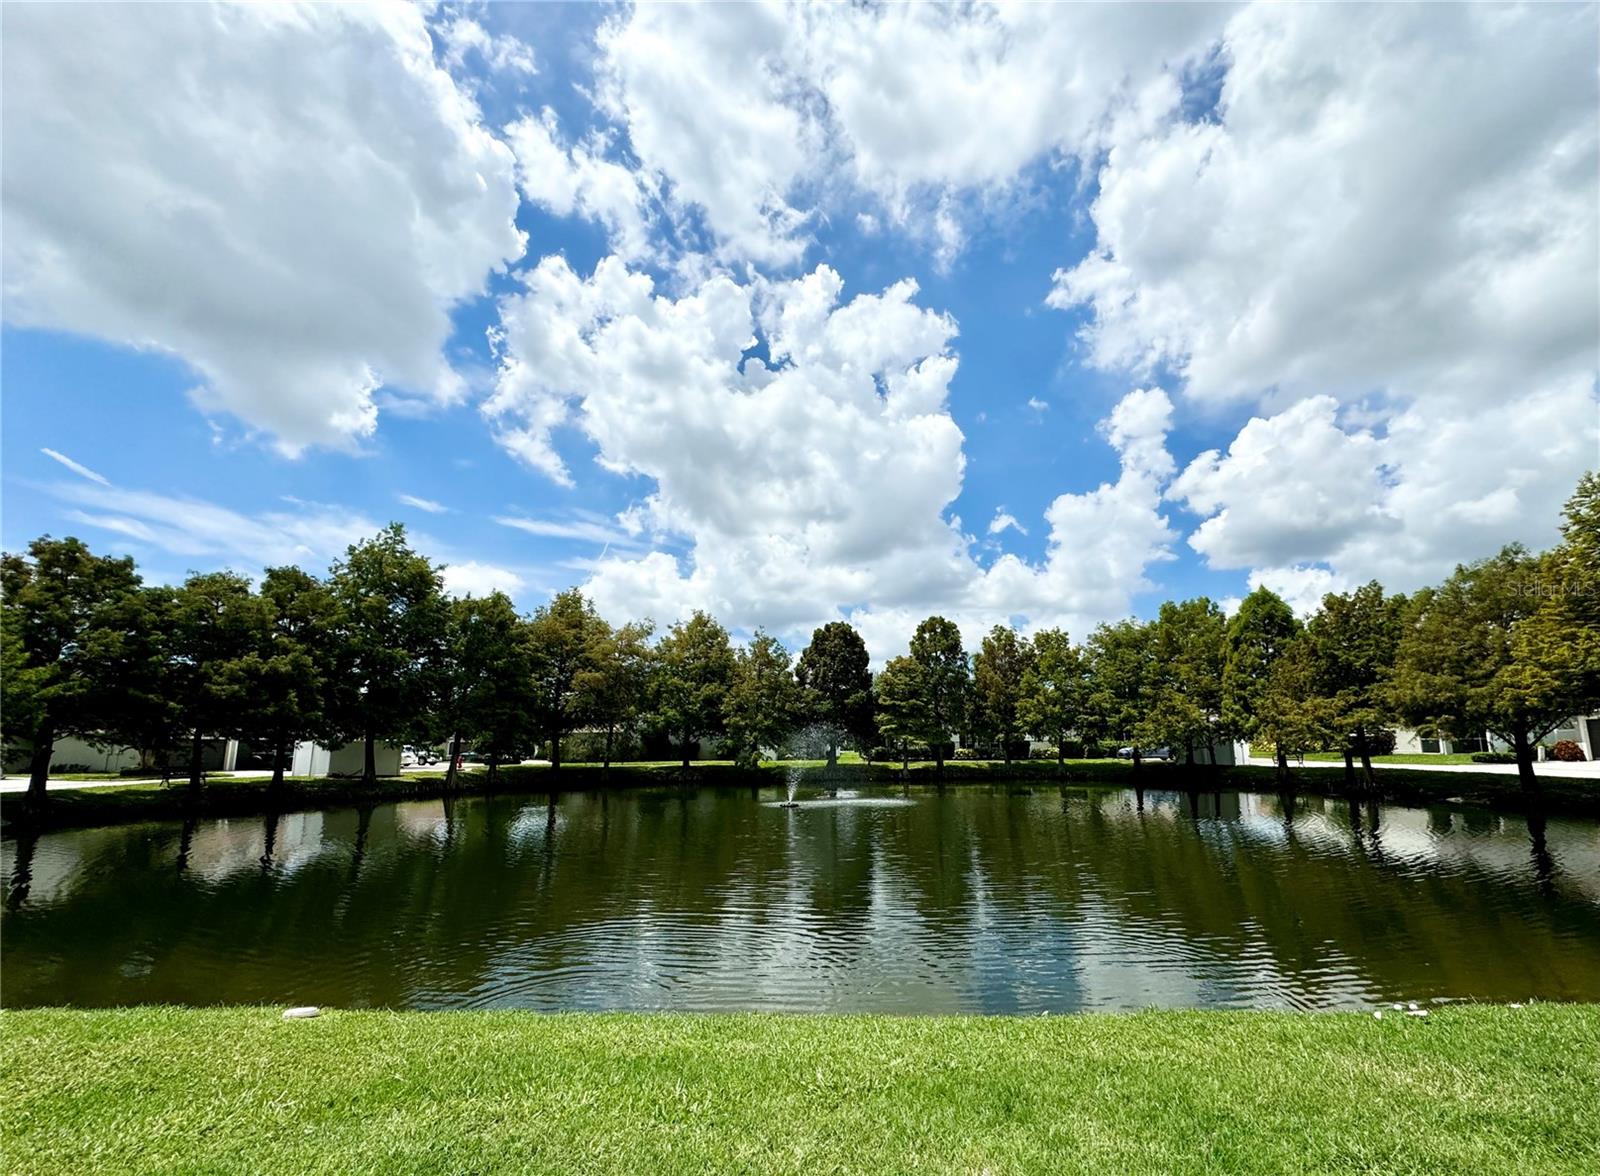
x=1589 y=770
x=9 y=784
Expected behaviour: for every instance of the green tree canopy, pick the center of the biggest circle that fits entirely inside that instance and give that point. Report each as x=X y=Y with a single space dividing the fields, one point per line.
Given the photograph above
x=693 y=671
x=565 y=633
x=1257 y=636
x=765 y=702
x=293 y=671
x=1291 y=714
x=999 y=670
x=903 y=704
x=1120 y=658
x=1183 y=685
x=615 y=678
x=945 y=681
x=835 y=672
x=1055 y=689
x=1356 y=637
x=217 y=629
x=393 y=615
x=489 y=683
x=67 y=616
x=1483 y=652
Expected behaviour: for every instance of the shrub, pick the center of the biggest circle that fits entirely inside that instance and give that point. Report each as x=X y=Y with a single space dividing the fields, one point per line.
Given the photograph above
x=1379 y=742
x=1567 y=752
x=1072 y=749
x=1493 y=757
x=965 y=753
x=887 y=755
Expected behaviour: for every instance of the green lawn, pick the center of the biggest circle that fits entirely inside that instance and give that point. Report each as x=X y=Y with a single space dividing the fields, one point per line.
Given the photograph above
x=1469 y=1090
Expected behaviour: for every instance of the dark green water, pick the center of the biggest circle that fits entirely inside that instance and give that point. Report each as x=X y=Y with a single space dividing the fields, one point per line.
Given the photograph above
x=974 y=900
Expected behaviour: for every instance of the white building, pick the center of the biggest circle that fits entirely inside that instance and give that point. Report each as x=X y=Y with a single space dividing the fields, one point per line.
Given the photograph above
x=1584 y=730
x=74 y=754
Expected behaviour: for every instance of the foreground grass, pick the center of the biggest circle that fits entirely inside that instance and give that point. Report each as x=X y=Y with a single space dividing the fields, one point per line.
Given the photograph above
x=1471 y=1090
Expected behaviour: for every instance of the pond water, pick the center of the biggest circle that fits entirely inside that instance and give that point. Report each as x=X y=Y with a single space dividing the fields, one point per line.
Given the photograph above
x=975 y=899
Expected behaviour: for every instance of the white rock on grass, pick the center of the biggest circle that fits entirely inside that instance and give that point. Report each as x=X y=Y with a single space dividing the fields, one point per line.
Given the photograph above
x=301 y=1012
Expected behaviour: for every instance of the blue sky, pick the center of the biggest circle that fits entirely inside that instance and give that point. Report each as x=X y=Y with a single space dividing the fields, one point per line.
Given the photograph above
x=1212 y=326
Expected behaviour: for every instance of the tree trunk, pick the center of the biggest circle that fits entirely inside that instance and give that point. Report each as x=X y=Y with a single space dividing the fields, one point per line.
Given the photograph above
x=494 y=770
x=1523 y=746
x=1349 y=770
x=369 y=769
x=1283 y=765
x=279 y=741
x=686 y=749
x=453 y=751
x=610 y=728
x=938 y=759
x=195 y=753
x=555 y=751
x=1366 y=759
x=1005 y=749
x=905 y=761
x=833 y=751
x=1188 y=753
x=1138 y=760
x=44 y=746
x=1061 y=755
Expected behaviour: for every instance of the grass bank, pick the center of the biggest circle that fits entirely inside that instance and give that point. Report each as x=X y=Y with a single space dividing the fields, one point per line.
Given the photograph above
x=118 y=803
x=1470 y=1090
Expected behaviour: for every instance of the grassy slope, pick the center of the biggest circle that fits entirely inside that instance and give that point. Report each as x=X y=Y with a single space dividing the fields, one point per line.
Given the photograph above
x=111 y=804
x=1467 y=1090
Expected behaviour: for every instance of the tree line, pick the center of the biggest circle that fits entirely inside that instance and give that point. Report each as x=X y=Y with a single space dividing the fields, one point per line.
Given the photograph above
x=376 y=651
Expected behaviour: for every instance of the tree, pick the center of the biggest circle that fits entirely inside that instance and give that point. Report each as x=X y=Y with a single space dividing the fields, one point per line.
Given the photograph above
x=66 y=616
x=1356 y=636
x=1120 y=660
x=1183 y=687
x=489 y=693
x=615 y=679
x=564 y=633
x=693 y=671
x=944 y=679
x=292 y=671
x=1483 y=652
x=999 y=669
x=217 y=629
x=835 y=672
x=1568 y=626
x=1257 y=636
x=1290 y=713
x=765 y=702
x=1055 y=690
x=393 y=614
x=902 y=713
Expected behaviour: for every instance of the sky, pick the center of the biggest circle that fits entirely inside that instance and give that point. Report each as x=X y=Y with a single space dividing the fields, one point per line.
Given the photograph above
x=1036 y=315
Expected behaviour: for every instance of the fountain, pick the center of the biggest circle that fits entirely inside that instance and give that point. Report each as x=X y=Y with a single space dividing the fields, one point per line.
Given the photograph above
x=833 y=798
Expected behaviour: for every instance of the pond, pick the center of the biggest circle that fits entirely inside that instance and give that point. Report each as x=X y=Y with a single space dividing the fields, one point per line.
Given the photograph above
x=975 y=899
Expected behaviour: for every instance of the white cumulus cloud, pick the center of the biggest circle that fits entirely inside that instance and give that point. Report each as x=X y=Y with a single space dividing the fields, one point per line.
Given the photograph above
x=289 y=197
x=800 y=451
